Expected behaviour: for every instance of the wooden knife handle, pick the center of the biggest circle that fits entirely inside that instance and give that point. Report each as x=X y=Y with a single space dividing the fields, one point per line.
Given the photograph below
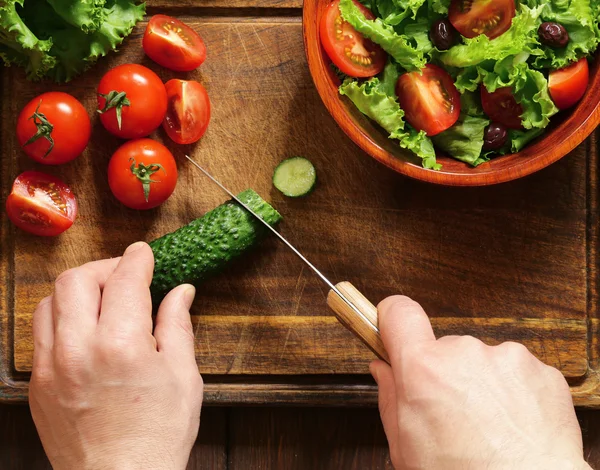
x=351 y=320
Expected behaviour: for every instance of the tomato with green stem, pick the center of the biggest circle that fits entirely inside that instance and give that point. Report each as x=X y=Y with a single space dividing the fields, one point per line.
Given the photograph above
x=41 y=204
x=142 y=174
x=132 y=101
x=53 y=128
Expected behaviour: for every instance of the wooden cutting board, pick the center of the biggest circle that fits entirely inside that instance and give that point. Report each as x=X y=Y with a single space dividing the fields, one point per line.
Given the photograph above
x=512 y=262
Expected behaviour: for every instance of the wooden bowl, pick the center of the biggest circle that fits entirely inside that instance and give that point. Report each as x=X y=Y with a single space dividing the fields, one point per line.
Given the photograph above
x=567 y=130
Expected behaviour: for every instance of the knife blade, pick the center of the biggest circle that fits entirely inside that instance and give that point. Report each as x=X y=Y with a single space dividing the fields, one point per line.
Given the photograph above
x=352 y=308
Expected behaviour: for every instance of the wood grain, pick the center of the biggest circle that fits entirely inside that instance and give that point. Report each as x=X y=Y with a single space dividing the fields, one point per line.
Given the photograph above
x=567 y=131
x=509 y=262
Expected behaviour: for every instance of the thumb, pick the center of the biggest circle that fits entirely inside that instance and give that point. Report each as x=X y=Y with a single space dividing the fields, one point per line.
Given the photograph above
x=173 y=332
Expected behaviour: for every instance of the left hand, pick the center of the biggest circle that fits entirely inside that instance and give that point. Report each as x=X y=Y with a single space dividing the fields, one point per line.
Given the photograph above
x=106 y=392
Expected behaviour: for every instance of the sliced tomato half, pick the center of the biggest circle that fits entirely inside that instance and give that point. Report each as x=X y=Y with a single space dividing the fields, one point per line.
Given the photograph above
x=567 y=85
x=474 y=17
x=347 y=48
x=41 y=204
x=501 y=106
x=429 y=99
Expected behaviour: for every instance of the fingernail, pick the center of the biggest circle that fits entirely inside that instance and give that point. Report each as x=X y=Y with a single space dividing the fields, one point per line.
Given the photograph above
x=134 y=247
x=188 y=296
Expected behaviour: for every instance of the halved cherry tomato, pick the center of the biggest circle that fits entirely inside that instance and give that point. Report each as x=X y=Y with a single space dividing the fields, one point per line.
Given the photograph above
x=41 y=204
x=53 y=128
x=501 y=106
x=188 y=111
x=142 y=174
x=429 y=99
x=132 y=101
x=347 y=48
x=173 y=44
x=474 y=17
x=568 y=85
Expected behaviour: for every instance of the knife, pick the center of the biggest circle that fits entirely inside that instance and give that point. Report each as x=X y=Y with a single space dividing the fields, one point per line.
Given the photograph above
x=351 y=308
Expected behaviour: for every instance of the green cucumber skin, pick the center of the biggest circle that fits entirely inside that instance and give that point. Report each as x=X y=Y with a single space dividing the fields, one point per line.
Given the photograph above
x=202 y=248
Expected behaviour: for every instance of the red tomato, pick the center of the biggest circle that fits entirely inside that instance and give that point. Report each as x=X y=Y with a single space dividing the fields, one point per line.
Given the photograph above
x=53 y=128
x=132 y=101
x=568 y=85
x=188 y=112
x=173 y=44
x=429 y=99
x=41 y=204
x=142 y=174
x=474 y=17
x=501 y=106
x=347 y=48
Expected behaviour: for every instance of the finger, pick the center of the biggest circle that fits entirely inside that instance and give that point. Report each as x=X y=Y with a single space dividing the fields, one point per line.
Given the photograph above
x=402 y=321
x=388 y=405
x=43 y=332
x=173 y=332
x=77 y=296
x=126 y=302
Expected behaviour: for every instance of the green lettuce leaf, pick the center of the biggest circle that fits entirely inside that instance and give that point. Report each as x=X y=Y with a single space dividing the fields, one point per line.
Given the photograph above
x=438 y=7
x=19 y=45
x=529 y=86
x=74 y=50
x=403 y=49
x=393 y=12
x=371 y=99
x=464 y=140
x=521 y=37
x=580 y=19
x=86 y=15
x=519 y=139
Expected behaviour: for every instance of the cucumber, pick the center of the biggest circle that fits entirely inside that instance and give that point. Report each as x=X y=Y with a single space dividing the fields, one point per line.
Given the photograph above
x=295 y=177
x=200 y=249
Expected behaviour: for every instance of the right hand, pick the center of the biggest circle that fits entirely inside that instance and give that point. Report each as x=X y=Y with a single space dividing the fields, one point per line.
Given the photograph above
x=456 y=403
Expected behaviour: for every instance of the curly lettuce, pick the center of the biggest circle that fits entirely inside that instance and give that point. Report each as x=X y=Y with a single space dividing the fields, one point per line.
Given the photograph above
x=464 y=140
x=373 y=99
x=18 y=45
x=59 y=39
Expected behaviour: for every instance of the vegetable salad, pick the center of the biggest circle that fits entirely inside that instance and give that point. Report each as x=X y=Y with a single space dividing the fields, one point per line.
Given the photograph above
x=472 y=78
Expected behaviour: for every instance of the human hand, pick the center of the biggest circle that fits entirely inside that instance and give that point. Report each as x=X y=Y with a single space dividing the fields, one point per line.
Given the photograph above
x=105 y=392
x=455 y=403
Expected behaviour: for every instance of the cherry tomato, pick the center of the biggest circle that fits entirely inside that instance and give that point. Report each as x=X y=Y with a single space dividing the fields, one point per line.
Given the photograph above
x=142 y=174
x=173 y=44
x=347 y=48
x=53 y=128
x=429 y=99
x=41 y=204
x=501 y=106
x=188 y=112
x=474 y=17
x=132 y=101
x=568 y=85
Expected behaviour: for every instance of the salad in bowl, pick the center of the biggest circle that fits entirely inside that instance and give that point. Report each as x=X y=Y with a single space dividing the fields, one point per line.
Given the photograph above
x=472 y=79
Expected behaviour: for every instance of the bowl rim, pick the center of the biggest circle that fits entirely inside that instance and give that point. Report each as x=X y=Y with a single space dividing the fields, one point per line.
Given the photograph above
x=576 y=126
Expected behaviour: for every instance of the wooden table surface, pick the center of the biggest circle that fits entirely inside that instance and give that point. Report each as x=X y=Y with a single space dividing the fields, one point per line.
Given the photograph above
x=265 y=439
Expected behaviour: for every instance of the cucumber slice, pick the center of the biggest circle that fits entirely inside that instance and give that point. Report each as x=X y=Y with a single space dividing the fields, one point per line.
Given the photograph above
x=295 y=177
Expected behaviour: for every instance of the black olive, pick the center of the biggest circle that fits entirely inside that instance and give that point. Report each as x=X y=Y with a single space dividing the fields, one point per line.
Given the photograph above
x=553 y=34
x=442 y=34
x=494 y=136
